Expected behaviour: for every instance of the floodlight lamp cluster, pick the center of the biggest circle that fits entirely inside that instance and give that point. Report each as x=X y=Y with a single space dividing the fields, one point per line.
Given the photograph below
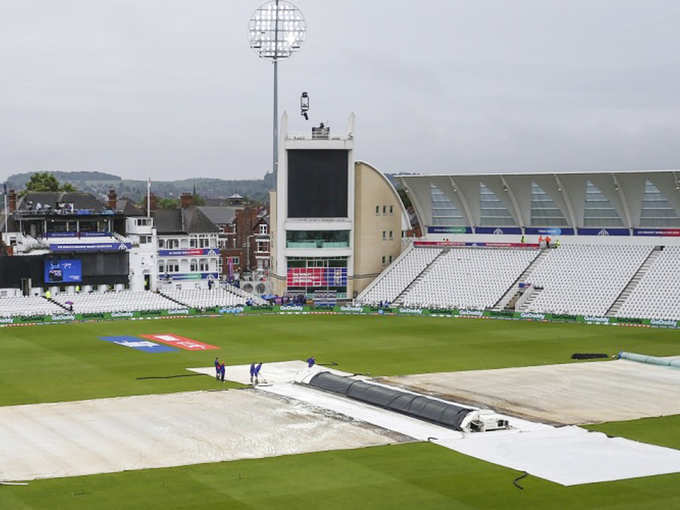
x=277 y=29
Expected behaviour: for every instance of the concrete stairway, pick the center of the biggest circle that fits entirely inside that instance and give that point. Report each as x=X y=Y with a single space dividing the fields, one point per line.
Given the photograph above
x=400 y=298
x=54 y=302
x=183 y=305
x=634 y=281
x=513 y=293
x=531 y=294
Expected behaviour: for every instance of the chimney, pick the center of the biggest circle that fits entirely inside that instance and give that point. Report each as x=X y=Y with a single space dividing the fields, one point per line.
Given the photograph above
x=113 y=199
x=186 y=200
x=12 y=201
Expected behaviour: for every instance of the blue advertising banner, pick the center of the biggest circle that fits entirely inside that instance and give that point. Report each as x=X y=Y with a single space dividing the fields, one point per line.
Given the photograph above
x=63 y=271
x=499 y=230
x=449 y=230
x=549 y=231
x=137 y=343
x=89 y=247
x=193 y=251
x=603 y=232
x=657 y=232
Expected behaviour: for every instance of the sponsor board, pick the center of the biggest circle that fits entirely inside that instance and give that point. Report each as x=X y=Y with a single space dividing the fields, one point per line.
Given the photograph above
x=179 y=341
x=448 y=230
x=352 y=309
x=532 y=316
x=499 y=230
x=549 y=231
x=291 y=308
x=179 y=311
x=470 y=313
x=234 y=309
x=664 y=323
x=6 y=320
x=563 y=317
x=63 y=317
x=122 y=314
x=137 y=344
x=603 y=231
x=191 y=251
x=657 y=232
x=413 y=311
x=90 y=247
x=596 y=320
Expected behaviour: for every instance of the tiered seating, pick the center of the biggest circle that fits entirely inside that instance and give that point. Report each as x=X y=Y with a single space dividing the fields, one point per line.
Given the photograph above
x=392 y=282
x=245 y=295
x=469 y=278
x=125 y=301
x=657 y=295
x=203 y=298
x=584 y=279
x=27 y=306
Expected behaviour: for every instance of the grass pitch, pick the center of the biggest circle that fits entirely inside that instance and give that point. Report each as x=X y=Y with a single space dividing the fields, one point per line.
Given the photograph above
x=69 y=362
x=421 y=475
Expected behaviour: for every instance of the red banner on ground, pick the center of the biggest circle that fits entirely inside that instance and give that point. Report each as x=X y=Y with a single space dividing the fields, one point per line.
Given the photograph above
x=179 y=341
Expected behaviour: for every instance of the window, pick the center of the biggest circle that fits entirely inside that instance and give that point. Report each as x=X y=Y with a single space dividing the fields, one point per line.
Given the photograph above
x=193 y=265
x=384 y=234
x=204 y=242
x=383 y=260
x=544 y=211
x=444 y=211
x=492 y=209
x=263 y=229
x=391 y=235
x=161 y=243
x=598 y=211
x=203 y=265
x=193 y=242
x=317 y=238
x=656 y=209
x=390 y=259
x=384 y=210
x=235 y=260
x=391 y=210
x=377 y=210
x=220 y=265
x=172 y=266
x=161 y=267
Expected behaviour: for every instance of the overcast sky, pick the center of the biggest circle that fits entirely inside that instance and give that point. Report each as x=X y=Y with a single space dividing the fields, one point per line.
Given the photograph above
x=170 y=88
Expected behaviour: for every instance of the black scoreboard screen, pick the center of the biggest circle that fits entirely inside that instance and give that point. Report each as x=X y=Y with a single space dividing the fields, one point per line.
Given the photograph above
x=317 y=183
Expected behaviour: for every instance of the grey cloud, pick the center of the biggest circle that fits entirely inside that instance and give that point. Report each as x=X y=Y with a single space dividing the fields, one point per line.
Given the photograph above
x=169 y=88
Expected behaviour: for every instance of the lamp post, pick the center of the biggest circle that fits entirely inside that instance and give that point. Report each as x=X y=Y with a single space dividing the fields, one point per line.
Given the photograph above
x=276 y=30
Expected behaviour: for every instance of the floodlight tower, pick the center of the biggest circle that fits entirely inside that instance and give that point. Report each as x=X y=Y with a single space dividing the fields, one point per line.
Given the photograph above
x=276 y=30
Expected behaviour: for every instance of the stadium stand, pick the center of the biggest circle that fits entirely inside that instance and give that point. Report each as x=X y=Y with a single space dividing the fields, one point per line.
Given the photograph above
x=657 y=293
x=469 y=278
x=203 y=298
x=124 y=301
x=396 y=278
x=584 y=279
x=27 y=306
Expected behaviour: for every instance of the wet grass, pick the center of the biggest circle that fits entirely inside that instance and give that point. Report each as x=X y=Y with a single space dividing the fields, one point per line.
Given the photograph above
x=68 y=362
x=420 y=475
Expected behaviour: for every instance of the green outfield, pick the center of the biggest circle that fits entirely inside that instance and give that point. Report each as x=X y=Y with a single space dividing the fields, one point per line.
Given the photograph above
x=419 y=475
x=69 y=362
